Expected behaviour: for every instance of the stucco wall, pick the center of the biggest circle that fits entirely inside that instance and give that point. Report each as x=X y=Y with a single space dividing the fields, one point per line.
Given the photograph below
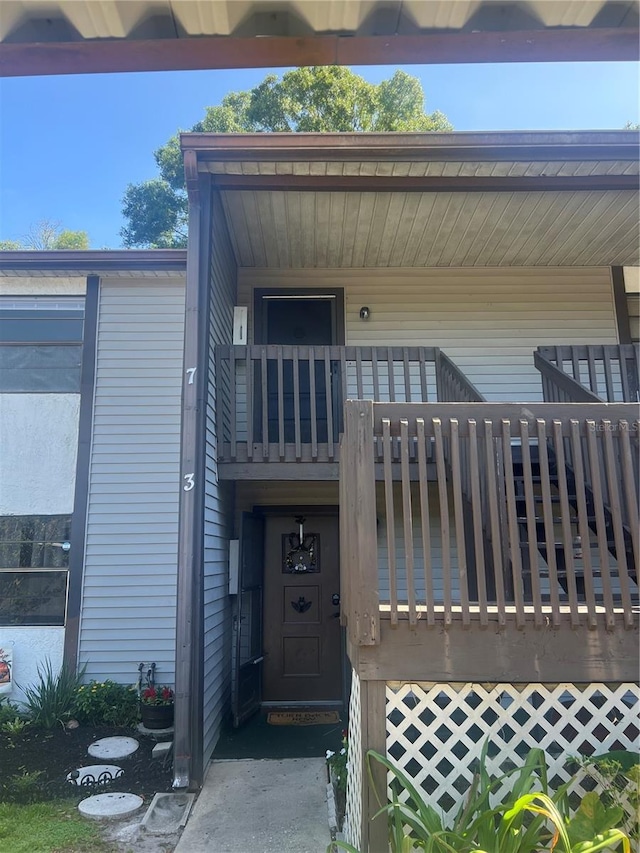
x=31 y=648
x=39 y=441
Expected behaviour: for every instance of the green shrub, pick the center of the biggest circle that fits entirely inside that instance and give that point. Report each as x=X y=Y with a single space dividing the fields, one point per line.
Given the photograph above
x=51 y=700
x=528 y=820
x=9 y=711
x=25 y=787
x=106 y=703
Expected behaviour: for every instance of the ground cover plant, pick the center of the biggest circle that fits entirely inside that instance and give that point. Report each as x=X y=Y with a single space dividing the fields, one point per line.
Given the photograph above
x=48 y=828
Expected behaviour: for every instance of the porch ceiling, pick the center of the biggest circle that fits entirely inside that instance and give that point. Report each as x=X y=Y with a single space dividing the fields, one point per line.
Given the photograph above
x=276 y=229
x=425 y=200
x=76 y=36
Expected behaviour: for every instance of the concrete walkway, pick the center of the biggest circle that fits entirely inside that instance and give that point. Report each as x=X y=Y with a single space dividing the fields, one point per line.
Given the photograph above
x=263 y=806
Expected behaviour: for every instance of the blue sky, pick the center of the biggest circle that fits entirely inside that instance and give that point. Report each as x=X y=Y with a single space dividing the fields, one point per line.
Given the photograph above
x=70 y=145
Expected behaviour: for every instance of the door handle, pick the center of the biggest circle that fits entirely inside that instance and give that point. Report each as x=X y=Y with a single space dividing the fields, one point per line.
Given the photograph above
x=258 y=660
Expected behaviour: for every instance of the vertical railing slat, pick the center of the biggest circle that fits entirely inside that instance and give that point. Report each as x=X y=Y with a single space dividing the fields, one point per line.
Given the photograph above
x=601 y=526
x=628 y=469
x=547 y=514
x=408 y=520
x=280 y=405
x=512 y=523
x=477 y=518
x=407 y=374
x=329 y=401
x=461 y=550
x=423 y=375
x=616 y=513
x=593 y=375
x=250 y=368
x=391 y=377
x=265 y=402
x=606 y=357
x=445 y=527
x=566 y=521
x=391 y=520
x=425 y=519
x=375 y=373
x=494 y=514
x=359 y=373
x=532 y=531
x=583 y=523
x=312 y=403
x=295 y=367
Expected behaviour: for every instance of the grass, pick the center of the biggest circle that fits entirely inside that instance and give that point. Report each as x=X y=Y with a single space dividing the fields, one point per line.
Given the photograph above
x=53 y=827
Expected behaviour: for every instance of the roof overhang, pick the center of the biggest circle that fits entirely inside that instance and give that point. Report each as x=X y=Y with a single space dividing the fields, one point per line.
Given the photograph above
x=90 y=262
x=493 y=199
x=98 y=36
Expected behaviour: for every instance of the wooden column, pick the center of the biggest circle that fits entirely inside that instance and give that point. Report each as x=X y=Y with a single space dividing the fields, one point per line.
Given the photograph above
x=363 y=616
x=375 y=836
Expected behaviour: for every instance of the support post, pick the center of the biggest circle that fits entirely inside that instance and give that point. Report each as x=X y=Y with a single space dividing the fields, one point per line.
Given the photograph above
x=364 y=616
x=374 y=834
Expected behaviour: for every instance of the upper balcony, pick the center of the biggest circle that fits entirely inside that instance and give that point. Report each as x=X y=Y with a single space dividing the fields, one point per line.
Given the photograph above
x=284 y=404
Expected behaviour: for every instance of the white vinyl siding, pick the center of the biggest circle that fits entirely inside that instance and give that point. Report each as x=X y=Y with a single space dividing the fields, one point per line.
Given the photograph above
x=489 y=321
x=129 y=588
x=217 y=499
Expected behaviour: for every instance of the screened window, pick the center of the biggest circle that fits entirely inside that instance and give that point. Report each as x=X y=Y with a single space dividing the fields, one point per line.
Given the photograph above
x=41 y=344
x=34 y=564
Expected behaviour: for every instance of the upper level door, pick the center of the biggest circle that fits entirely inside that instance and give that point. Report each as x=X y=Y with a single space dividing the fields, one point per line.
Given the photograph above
x=312 y=319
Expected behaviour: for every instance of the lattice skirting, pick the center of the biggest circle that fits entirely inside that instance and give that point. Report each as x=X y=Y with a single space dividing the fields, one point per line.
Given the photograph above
x=352 y=829
x=435 y=732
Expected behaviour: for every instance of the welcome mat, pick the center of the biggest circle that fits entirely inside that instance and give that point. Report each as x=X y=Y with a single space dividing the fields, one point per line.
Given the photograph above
x=302 y=718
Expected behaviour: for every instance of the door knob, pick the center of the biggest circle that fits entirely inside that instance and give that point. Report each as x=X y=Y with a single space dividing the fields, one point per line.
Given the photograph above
x=335 y=599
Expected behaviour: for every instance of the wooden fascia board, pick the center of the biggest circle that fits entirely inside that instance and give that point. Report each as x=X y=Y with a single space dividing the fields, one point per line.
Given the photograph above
x=99 y=56
x=368 y=183
x=87 y=262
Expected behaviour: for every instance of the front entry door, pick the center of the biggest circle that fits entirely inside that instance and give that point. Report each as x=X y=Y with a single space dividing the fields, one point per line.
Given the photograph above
x=311 y=320
x=302 y=639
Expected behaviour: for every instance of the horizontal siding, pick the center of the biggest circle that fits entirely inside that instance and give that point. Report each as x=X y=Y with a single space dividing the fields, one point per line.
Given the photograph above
x=218 y=497
x=129 y=590
x=488 y=320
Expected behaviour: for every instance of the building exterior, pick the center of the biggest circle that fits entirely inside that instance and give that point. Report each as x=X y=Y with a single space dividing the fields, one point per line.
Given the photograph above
x=359 y=448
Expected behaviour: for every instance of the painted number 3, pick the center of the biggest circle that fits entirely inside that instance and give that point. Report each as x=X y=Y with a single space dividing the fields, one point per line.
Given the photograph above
x=189 y=484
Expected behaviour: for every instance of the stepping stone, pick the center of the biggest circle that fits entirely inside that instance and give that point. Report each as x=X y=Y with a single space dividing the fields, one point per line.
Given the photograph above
x=95 y=774
x=110 y=806
x=114 y=748
x=157 y=734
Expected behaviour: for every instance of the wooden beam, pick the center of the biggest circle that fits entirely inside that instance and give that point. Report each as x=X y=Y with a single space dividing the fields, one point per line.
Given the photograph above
x=405 y=184
x=621 y=305
x=293 y=470
x=100 y=56
x=517 y=655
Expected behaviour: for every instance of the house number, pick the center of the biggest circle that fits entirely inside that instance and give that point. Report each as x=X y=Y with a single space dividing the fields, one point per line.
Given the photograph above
x=190 y=483
x=192 y=372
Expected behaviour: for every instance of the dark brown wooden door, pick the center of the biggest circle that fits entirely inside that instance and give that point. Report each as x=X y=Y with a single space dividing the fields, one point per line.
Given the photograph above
x=302 y=640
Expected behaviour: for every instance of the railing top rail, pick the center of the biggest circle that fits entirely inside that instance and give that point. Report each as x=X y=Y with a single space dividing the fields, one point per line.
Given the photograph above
x=582 y=351
x=496 y=413
x=368 y=353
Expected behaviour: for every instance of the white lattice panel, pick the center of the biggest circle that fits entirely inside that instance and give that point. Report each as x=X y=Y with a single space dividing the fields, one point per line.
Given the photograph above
x=353 y=812
x=435 y=733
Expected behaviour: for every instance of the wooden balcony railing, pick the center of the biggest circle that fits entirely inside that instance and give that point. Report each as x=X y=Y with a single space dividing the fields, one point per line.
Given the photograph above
x=285 y=403
x=590 y=373
x=532 y=518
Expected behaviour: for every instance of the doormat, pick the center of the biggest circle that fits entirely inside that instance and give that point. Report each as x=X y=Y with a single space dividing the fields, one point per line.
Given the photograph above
x=302 y=718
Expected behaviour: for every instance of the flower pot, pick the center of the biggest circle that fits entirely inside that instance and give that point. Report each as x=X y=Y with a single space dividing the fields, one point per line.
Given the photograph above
x=156 y=716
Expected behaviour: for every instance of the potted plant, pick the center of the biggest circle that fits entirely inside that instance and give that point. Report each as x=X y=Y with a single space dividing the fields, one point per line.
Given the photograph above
x=156 y=706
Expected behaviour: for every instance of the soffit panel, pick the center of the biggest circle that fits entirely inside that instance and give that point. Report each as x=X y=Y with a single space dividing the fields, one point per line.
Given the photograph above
x=292 y=229
x=68 y=20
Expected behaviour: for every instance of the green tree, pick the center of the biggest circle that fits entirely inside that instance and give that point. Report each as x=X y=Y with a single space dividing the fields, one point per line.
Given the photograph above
x=315 y=99
x=47 y=235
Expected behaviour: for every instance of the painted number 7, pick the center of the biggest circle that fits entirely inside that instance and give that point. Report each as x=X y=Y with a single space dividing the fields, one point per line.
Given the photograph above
x=192 y=372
